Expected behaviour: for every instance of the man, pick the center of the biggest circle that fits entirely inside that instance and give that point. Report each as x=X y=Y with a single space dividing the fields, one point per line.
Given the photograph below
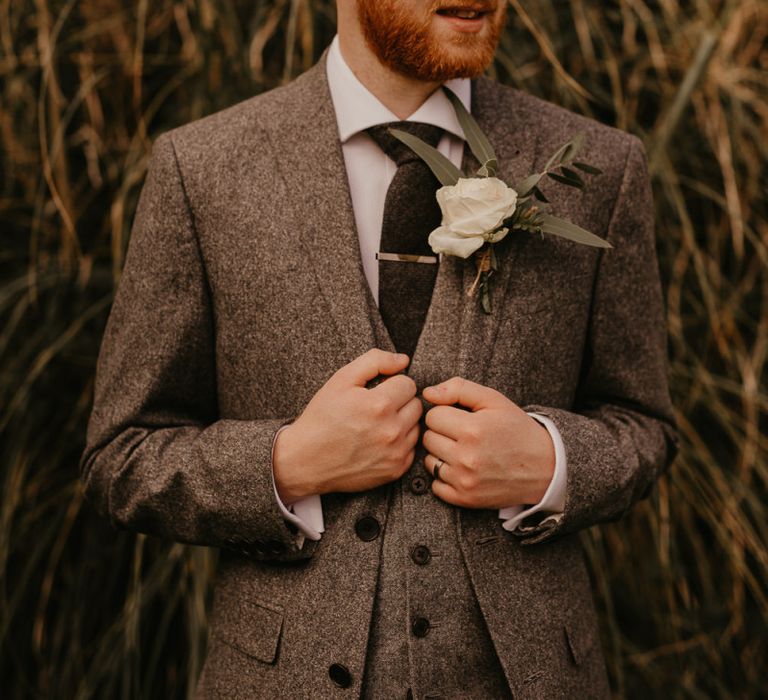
x=250 y=394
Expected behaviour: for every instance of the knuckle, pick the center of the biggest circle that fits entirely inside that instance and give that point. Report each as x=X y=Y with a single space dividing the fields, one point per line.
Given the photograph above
x=405 y=383
x=470 y=433
x=390 y=434
x=467 y=483
x=379 y=406
x=463 y=457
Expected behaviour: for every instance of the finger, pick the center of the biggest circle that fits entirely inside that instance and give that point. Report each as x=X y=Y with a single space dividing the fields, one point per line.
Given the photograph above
x=446 y=492
x=412 y=437
x=448 y=421
x=411 y=412
x=438 y=445
x=430 y=462
x=398 y=390
x=371 y=364
x=463 y=392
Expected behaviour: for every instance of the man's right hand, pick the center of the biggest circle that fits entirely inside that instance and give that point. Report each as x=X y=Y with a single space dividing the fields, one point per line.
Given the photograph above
x=349 y=438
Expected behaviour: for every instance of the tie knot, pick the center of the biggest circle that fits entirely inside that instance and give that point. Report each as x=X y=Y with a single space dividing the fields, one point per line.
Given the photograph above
x=395 y=148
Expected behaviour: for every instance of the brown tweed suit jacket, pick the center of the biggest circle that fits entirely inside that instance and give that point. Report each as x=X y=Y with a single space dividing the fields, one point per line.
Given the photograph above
x=243 y=291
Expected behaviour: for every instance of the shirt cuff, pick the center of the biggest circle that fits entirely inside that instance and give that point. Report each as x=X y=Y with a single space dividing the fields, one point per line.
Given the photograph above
x=553 y=501
x=306 y=513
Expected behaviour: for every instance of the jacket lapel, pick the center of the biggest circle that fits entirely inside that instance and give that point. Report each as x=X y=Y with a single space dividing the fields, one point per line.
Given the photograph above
x=316 y=177
x=458 y=337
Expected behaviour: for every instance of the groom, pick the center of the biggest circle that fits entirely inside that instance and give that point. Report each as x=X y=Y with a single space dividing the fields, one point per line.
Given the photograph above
x=269 y=357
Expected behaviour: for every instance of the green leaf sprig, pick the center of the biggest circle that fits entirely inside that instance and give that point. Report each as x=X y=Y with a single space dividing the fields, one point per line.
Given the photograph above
x=530 y=213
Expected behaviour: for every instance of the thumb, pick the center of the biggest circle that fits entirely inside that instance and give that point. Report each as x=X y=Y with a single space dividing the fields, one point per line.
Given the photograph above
x=370 y=365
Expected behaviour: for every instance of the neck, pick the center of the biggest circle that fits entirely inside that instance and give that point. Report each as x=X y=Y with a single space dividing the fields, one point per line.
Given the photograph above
x=399 y=94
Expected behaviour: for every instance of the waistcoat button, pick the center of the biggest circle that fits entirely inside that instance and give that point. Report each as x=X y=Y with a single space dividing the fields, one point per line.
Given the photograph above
x=340 y=675
x=367 y=528
x=418 y=485
x=421 y=555
x=420 y=627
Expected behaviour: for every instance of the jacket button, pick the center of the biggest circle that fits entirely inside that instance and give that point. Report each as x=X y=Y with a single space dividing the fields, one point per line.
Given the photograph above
x=420 y=627
x=367 y=528
x=340 y=675
x=418 y=485
x=421 y=555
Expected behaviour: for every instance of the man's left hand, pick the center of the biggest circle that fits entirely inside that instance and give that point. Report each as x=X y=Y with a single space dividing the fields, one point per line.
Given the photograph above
x=494 y=455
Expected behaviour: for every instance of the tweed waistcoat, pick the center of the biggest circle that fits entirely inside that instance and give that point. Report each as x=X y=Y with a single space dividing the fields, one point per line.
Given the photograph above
x=427 y=632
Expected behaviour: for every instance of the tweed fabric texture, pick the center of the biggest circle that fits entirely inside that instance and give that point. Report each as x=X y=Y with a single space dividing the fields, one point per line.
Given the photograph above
x=436 y=589
x=243 y=291
x=411 y=212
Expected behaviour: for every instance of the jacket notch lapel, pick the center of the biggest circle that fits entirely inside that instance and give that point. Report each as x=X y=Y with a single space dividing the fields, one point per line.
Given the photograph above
x=318 y=191
x=458 y=337
x=516 y=156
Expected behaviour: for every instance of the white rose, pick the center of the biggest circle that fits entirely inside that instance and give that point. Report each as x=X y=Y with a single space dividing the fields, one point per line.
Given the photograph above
x=473 y=209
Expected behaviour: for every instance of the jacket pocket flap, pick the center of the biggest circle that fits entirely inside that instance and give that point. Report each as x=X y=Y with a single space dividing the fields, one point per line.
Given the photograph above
x=249 y=626
x=580 y=640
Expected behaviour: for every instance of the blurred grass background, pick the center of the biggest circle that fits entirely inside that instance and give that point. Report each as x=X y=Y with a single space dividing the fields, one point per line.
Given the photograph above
x=681 y=584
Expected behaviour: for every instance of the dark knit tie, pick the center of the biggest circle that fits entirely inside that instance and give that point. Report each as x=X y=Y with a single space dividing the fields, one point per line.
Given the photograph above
x=411 y=213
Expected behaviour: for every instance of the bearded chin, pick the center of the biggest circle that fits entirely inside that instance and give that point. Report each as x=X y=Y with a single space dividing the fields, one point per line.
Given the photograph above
x=406 y=46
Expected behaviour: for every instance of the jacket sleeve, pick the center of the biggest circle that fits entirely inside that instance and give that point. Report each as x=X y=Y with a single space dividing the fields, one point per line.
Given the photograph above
x=621 y=434
x=157 y=458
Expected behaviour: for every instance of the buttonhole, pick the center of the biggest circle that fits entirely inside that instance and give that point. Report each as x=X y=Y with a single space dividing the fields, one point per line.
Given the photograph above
x=487 y=540
x=533 y=677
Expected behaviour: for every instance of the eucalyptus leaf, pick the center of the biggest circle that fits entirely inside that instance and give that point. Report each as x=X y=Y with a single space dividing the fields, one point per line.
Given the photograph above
x=526 y=186
x=565 y=229
x=572 y=149
x=566 y=152
x=564 y=180
x=445 y=171
x=589 y=169
x=485 y=298
x=556 y=157
x=573 y=175
x=477 y=140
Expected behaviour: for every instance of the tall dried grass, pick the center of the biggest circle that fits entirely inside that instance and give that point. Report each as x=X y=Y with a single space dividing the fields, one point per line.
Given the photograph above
x=682 y=583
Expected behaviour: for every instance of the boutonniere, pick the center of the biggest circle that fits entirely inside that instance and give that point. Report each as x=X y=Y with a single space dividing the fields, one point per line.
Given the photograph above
x=479 y=209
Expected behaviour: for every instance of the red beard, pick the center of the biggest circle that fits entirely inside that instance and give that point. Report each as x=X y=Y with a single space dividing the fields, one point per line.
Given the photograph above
x=406 y=44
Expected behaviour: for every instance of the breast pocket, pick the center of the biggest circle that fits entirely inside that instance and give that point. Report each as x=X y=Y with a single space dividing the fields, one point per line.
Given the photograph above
x=581 y=640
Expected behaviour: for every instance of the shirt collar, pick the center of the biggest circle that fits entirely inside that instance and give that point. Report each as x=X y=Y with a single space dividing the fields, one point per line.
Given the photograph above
x=357 y=108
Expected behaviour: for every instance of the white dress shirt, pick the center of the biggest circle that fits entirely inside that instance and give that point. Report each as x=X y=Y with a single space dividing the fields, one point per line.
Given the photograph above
x=370 y=171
